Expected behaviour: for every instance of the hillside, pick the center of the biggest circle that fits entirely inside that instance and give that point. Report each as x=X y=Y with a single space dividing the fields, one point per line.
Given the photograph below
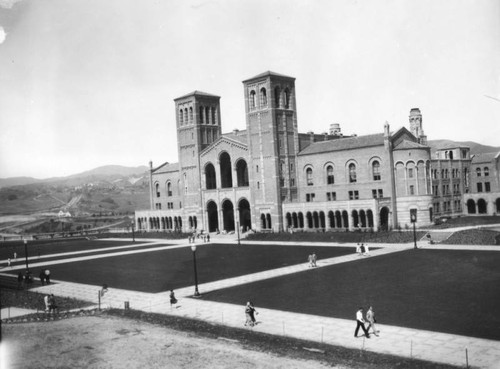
x=104 y=173
x=475 y=148
x=107 y=190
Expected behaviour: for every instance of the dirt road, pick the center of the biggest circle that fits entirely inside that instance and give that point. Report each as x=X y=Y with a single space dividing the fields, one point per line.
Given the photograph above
x=111 y=342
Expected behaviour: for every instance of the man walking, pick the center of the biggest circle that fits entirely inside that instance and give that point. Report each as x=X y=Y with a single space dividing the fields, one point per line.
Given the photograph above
x=360 y=323
x=370 y=317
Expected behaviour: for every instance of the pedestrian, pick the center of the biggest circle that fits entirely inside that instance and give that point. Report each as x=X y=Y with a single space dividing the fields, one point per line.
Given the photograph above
x=360 y=322
x=370 y=317
x=310 y=260
x=20 y=279
x=250 y=314
x=362 y=249
x=52 y=304
x=367 y=250
x=28 y=277
x=15 y=256
x=47 y=303
x=47 y=276
x=358 y=250
x=173 y=300
x=314 y=258
x=208 y=237
x=42 y=277
x=8 y=262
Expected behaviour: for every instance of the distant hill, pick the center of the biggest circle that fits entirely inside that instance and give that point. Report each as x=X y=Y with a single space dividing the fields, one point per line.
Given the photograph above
x=108 y=173
x=475 y=148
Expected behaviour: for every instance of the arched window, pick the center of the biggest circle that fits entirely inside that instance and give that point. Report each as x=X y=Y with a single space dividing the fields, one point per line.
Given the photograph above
x=376 y=170
x=263 y=97
x=210 y=180
x=486 y=171
x=207 y=115
x=181 y=117
x=352 y=173
x=277 y=99
x=309 y=177
x=214 y=115
x=191 y=114
x=157 y=187
x=330 y=179
x=252 y=99
x=185 y=184
x=478 y=172
x=287 y=99
x=225 y=170
x=186 y=119
x=169 y=189
x=242 y=173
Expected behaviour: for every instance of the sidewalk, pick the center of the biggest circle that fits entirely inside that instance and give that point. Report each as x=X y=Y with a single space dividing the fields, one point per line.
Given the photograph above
x=425 y=345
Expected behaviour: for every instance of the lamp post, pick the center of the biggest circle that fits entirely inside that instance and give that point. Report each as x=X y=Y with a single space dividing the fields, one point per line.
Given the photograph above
x=413 y=218
x=26 y=254
x=238 y=230
x=196 y=292
x=133 y=231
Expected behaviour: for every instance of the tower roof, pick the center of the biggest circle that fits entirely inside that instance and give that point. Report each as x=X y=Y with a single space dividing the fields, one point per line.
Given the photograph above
x=268 y=73
x=197 y=93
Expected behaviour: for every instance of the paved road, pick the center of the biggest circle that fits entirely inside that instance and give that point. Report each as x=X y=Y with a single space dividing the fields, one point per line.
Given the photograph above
x=426 y=345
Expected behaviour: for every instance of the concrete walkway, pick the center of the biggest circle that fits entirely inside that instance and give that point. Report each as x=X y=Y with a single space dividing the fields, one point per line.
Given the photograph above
x=400 y=341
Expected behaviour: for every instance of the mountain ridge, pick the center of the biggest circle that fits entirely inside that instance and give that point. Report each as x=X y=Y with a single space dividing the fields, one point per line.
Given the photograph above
x=105 y=172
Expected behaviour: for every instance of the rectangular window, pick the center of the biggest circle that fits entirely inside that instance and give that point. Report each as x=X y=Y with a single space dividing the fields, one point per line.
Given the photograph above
x=351 y=195
x=412 y=190
x=374 y=194
x=309 y=197
x=282 y=182
x=479 y=187
x=328 y=196
x=380 y=193
x=410 y=173
x=356 y=195
x=486 y=186
x=334 y=196
x=292 y=182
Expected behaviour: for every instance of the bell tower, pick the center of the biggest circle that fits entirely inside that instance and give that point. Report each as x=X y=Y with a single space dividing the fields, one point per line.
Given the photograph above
x=198 y=125
x=416 y=126
x=271 y=120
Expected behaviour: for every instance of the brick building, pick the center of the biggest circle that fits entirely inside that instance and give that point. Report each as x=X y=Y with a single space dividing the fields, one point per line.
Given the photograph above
x=271 y=177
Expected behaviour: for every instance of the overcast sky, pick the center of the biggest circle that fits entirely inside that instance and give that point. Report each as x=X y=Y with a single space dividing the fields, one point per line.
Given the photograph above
x=91 y=83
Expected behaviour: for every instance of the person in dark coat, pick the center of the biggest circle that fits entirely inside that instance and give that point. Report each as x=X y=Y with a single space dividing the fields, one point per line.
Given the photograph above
x=42 y=277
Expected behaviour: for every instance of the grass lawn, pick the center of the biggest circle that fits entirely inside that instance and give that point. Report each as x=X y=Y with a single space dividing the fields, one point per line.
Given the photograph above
x=159 y=271
x=46 y=248
x=438 y=290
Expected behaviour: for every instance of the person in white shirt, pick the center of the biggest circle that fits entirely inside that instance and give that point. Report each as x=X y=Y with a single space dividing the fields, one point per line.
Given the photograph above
x=360 y=323
x=370 y=317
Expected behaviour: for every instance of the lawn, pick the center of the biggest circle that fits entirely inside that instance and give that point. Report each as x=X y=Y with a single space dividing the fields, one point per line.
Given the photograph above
x=159 y=271
x=438 y=290
x=41 y=248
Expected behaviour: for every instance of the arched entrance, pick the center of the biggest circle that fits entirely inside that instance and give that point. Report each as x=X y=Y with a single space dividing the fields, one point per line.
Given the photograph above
x=245 y=215
x=497 y=202
x=471 y=206
x=481 y=206
x=213 y=217
x=384 y=219
x=228 y=215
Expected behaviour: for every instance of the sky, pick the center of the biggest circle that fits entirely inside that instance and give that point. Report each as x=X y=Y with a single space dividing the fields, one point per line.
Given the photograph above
x=90 y=83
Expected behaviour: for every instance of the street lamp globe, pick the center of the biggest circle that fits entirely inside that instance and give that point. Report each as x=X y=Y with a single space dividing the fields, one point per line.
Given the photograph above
x=193 y=248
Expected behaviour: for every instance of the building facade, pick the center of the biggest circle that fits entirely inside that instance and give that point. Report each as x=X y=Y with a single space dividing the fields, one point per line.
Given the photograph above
x=270 y=177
